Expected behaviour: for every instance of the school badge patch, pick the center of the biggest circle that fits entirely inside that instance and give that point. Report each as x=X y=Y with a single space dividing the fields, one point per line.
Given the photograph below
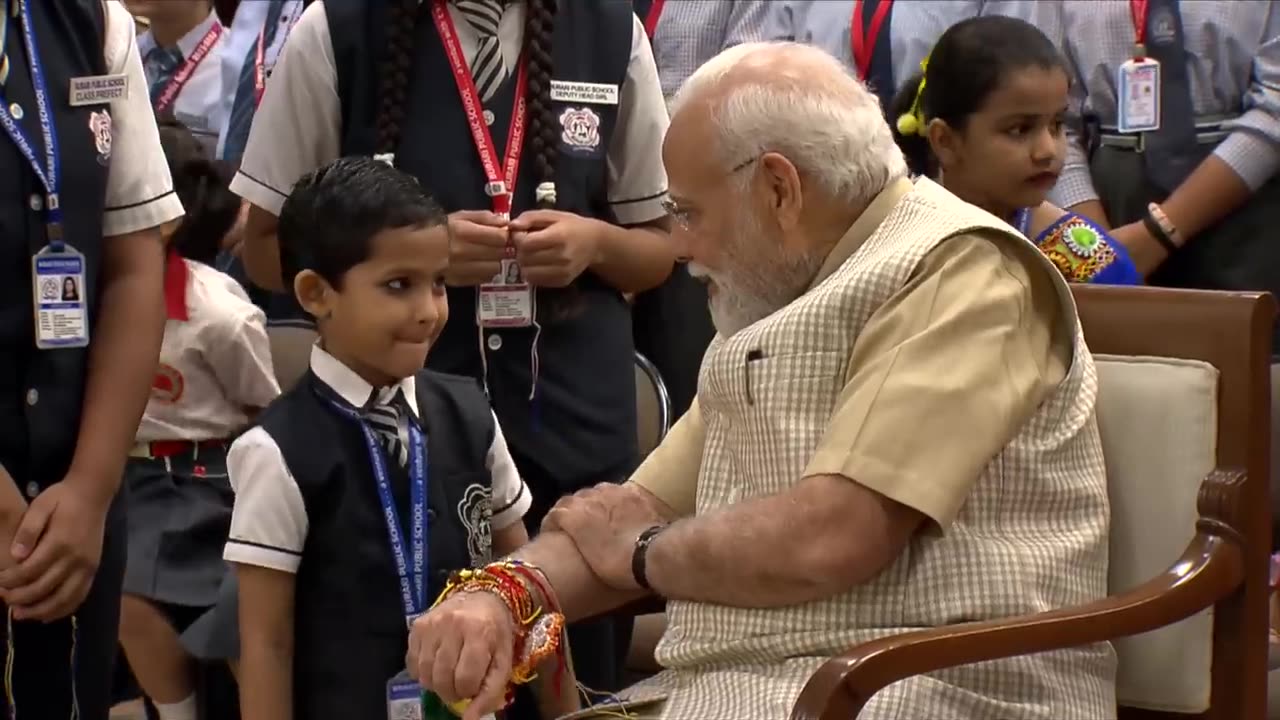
x=100 y=126
x=475 y=510
x=168 y=385
x=580 y=130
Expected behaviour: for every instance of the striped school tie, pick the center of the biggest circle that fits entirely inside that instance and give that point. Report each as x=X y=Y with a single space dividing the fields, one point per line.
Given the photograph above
x=245 y=103
x=488 y=69
x=160 y=66
x=384 y=418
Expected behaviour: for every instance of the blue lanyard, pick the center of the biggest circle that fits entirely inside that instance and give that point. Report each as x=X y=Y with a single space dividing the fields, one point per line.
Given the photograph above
x=49 y=172
x=413 y=585
x=1022 y=220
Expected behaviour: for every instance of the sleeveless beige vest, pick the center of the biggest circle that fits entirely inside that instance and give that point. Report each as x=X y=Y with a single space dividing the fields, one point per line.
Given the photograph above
x=1032 y=535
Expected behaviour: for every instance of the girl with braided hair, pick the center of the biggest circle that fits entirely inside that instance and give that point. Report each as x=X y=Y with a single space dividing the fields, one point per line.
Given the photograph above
x=537 y=125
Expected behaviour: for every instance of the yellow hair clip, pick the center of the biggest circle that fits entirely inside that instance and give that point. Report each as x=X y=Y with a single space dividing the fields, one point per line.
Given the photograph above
x=912 y=122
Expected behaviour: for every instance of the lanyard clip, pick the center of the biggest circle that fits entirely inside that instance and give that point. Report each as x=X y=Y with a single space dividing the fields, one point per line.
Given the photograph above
x=1139 y=51
x=53 y=235
x=497 y=190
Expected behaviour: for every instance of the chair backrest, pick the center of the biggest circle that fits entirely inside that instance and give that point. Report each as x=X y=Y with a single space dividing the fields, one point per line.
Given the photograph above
x=653 y=406
x=1183 y=389
x=290 y=352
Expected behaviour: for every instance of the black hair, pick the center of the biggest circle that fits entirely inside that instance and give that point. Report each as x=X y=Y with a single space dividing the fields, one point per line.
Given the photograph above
x=967 y=64
x=397 y=66
x=539 y=32
x=226 y=10
x=329 y=220
x=201 y=183
x=541 y=135
x=393 y=79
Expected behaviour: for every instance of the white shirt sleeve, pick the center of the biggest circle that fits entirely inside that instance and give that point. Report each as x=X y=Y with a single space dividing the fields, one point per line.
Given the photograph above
x=511 y=497
x=269 y=519
x=297 y=127
x=637 y=178
x=139 y=189
x=239 y=353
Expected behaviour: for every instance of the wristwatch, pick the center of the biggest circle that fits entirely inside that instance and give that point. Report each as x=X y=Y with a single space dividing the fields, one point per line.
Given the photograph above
x=1162 y=228
x=640 y=552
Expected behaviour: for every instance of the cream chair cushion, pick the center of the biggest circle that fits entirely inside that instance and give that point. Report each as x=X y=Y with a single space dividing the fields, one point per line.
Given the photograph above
x=1158 y=418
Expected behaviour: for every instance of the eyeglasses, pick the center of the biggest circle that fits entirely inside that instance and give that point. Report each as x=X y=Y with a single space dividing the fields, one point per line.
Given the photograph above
x=683 y=216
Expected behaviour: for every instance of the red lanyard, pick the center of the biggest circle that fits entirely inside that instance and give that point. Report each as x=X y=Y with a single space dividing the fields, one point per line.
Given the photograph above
x=651 y=20
x=260 y=68
x=498 y=187
x=184 y=73
x=260 y=59
x=863 y=42
x=1138 y=11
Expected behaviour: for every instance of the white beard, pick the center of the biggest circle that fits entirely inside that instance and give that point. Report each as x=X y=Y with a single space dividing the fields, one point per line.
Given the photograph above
x=757 y=278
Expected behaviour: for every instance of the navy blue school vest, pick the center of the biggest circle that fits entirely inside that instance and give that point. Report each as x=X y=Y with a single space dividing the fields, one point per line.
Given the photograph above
x=581 y=427
x=41 y=392
x=350 y=630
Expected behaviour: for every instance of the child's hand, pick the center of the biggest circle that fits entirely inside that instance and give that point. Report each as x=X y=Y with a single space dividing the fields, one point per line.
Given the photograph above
x=12 y=507
x=554 y=247
x=477 y=248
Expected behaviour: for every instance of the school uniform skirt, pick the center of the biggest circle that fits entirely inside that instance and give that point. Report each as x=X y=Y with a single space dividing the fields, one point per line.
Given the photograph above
x=215 y=635
x=179 y=516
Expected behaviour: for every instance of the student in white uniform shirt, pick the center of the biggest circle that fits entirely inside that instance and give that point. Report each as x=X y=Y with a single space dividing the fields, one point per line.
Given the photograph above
x=884 y=41
x=249 y=51
x=252 y=44
x=69 y=413
x=181 y=55
x=586 y=223
x=214 y=375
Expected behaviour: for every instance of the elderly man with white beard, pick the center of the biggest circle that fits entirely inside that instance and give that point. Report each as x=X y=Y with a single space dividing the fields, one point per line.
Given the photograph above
x=894 y=429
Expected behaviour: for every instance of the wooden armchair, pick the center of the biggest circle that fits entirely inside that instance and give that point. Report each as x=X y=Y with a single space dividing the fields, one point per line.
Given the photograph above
x=1184 y=414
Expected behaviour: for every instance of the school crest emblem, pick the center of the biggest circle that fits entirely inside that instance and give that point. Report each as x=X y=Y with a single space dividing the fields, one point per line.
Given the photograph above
x=49 y=290
x=580 y=129
x=168 y=385
x=1163 y=29
x=100 y=126
x=476 y=512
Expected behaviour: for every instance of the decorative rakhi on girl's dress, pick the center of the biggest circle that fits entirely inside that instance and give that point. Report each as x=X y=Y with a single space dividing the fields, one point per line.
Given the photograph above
x=538 y=634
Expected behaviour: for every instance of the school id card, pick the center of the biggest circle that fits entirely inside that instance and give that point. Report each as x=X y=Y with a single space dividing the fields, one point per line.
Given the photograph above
x=506 y=301
x=404 y=699
x=58 y=290
x=1138 y=101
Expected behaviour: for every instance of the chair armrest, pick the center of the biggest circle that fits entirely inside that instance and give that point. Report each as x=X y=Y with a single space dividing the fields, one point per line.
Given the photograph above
x=1210 y=569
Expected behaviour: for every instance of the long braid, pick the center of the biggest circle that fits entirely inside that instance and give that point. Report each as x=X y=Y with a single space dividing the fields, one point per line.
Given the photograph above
x=393 y=87
x=539 y=34
x=539 y=31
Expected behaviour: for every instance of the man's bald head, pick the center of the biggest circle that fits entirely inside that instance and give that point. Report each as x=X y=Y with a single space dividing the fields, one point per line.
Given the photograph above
x=798 y=101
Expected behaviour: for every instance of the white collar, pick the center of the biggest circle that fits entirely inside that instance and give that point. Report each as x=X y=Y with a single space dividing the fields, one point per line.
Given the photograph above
x=187 y=43
x=353 y=388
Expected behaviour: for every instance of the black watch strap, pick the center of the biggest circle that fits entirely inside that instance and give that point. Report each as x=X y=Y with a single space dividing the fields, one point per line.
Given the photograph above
x=640 y=552
x=1158 y=233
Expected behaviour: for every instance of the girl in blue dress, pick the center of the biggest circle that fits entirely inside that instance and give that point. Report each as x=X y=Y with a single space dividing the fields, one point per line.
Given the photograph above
x=985 y=117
